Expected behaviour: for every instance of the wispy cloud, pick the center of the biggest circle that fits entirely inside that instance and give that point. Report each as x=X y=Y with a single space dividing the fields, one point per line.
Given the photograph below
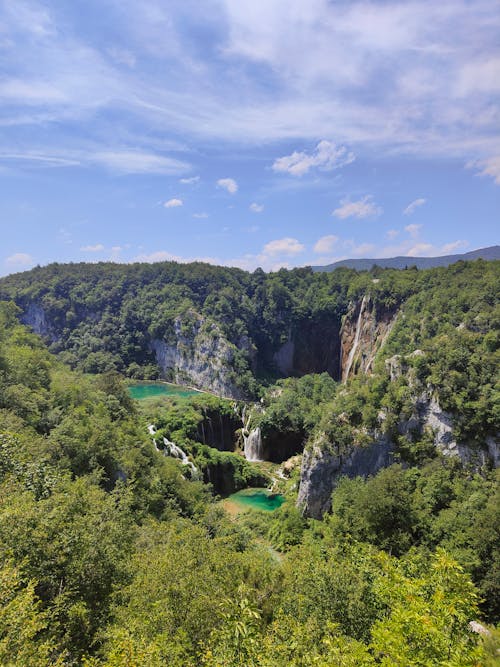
x=200 y=216
x=98 y=247
x=450 y=248
x=413 y=230
x=425 y=95
x=361 y=209
x=489 y=167
x=137 y=162
x=412 y=207
x=326 y=157
x=19 y=260
x=256 y=208
x=325 y=244
x=173 y=203
x=228 y=184
x=189 y=181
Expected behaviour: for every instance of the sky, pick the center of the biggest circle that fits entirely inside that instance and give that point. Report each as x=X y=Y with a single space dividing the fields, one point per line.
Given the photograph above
x=247 y=132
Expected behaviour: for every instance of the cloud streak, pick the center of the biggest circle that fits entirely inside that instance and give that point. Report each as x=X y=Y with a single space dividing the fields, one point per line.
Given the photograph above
x=426 y=96
x=412 y=207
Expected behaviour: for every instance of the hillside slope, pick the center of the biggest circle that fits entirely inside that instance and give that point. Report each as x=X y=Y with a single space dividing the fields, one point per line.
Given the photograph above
x=489 y=254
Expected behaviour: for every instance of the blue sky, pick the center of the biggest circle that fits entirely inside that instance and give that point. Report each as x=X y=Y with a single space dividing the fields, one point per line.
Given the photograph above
x=250 y=133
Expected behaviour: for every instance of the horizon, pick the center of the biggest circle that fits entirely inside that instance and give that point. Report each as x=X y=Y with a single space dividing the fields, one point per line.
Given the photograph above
x=276 y=135
x=291 y=268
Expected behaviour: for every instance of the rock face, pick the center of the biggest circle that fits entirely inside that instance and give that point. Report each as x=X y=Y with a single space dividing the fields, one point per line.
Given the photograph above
x=323 y=466
x=428 y=416
x=35 y=317
x=363 y=332
x=199 y=357
x=311 y=347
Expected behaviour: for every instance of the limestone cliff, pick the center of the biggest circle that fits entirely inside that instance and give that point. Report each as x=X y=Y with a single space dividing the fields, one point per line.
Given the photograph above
x=364 y=330
x=36 y=318
x=200 y=356
x=323 y=463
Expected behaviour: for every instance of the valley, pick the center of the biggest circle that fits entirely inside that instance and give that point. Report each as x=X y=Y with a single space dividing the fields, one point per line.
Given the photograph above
x=152 y=416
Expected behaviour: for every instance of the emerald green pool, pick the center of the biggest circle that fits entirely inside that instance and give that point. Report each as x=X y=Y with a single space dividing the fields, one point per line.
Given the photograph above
x=154 y=389
x=257 y=499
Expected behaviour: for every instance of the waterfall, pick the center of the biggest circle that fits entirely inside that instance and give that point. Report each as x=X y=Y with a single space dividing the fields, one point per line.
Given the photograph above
x=354 y=347
x=254 y=450
x=171 y=449
x=178 y=453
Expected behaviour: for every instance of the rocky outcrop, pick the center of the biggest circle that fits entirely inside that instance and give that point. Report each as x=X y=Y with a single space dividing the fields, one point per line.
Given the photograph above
x=36 y=318
x=324 y=464
x=199 y=356
x=364 y=330
x=429 y=417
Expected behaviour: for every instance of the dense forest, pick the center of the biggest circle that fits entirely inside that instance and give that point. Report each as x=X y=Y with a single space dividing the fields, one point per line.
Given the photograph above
x=114 y=554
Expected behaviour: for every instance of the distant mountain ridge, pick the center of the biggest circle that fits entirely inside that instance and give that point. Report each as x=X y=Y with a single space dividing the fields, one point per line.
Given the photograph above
x=489 y=254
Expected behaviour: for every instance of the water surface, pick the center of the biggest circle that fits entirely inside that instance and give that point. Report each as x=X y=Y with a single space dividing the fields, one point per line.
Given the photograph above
x=257 y=499
x=143 y=390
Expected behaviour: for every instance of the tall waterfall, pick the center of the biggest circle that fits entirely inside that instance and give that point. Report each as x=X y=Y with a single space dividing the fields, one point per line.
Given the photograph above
x=355 y=343
x=253 y=449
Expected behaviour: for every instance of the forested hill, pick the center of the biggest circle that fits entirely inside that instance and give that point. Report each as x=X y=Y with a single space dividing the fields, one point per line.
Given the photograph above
x=229 y=330
x=401 y=262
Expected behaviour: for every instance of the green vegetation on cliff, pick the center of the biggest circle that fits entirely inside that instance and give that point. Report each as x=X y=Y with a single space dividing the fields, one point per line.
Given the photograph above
x=111 y=556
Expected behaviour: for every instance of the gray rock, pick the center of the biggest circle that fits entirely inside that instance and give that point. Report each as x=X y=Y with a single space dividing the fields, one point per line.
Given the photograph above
x=322 y=469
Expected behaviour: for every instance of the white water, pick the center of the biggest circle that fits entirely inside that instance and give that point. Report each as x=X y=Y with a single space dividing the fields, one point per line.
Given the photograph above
x=171 y=449
x=355 y=343
x=178 y=453
x=253 y=449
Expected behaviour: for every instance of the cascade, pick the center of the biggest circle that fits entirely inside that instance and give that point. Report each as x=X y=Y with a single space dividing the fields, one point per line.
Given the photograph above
x=355 y=343
x=171 y=449
x=253 y=449
x=178 y=453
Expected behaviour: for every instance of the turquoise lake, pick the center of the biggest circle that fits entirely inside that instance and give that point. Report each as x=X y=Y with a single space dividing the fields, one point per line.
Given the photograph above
x=257 y=499
x=154 y=389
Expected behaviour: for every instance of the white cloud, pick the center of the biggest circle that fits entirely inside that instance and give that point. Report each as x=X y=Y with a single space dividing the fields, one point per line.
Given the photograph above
x=228 y=184
x=347 y=75
x=19 y=260
x=92 y=248
x=392 y=234
x=173 y=203
x=326 y=156
x=200 y=216
x=362 y=250
x=488 y=167
x=256 y=208
x=285 y=246
x=450 y=248
x=325 y=244
x=363 y=208
x=413 y=230
x=189 y=181
x=421 y=250
x=412 y=207
x=157 y=256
